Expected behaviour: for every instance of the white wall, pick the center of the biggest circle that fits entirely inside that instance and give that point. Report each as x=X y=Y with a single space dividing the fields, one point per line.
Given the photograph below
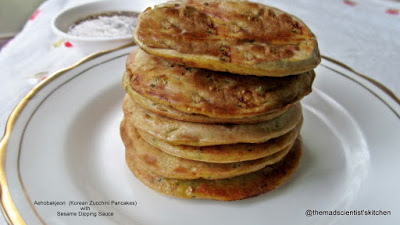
x=14 y=14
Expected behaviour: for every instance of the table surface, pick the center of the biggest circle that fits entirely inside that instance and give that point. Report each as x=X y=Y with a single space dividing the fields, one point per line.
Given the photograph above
x=362 y=34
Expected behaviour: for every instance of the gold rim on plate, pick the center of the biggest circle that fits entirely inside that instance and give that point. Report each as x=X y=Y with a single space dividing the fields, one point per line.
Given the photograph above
x=8 y=208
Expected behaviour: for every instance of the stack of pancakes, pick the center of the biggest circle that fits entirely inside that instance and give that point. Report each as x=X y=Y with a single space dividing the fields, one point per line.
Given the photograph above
x=212 y=107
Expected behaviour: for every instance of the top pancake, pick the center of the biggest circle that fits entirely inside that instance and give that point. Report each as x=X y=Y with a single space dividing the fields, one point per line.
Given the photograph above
x=233 y=36
x=210 y=93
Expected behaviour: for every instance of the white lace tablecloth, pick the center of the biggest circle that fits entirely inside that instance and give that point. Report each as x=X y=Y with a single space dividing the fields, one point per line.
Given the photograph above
x=363 y=34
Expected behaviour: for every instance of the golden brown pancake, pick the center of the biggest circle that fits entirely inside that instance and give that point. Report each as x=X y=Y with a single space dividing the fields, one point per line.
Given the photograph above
x=236 y=188
x=210 y=93
x=226 y=153
x=197 y=134
x=169 y=166
x=239 y=37
x=172 y=113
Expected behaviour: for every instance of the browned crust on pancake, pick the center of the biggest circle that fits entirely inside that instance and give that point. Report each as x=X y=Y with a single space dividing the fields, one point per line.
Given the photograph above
x=173 y=113
x=169 y=166
x=237 y=36
x=195 y=134
x=210 y=93
x=226 y=153
x=236 y=188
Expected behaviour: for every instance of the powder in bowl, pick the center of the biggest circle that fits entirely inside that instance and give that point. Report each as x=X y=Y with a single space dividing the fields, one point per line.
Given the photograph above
x=107 y=24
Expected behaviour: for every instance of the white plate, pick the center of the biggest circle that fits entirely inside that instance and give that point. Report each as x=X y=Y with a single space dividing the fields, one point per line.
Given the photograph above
x=65 y=146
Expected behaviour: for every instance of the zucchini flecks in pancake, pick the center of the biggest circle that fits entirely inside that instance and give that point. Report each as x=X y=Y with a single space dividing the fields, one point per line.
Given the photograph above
x=197 y=134
x=210 y=93
x=236 y=188
x=237 y=36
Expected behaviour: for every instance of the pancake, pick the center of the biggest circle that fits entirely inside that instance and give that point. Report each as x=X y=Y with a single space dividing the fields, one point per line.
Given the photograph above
x=169 y=166
x=226 y=153
x=172 y=113
x=197 y=134
x=239 y=37
x=236 y=188
x=210 y=93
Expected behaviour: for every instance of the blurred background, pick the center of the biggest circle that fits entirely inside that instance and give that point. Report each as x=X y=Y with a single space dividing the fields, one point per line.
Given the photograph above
x=13 y=16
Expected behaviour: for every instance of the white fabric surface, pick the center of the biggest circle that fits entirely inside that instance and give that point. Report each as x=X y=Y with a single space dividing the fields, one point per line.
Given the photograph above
x=363 y=34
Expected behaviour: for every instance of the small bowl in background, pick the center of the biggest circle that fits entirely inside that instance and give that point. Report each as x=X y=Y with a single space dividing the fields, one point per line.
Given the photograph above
x=63 y=21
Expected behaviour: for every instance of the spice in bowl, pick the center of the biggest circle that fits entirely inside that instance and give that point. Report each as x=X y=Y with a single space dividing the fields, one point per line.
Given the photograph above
x=107 y=24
